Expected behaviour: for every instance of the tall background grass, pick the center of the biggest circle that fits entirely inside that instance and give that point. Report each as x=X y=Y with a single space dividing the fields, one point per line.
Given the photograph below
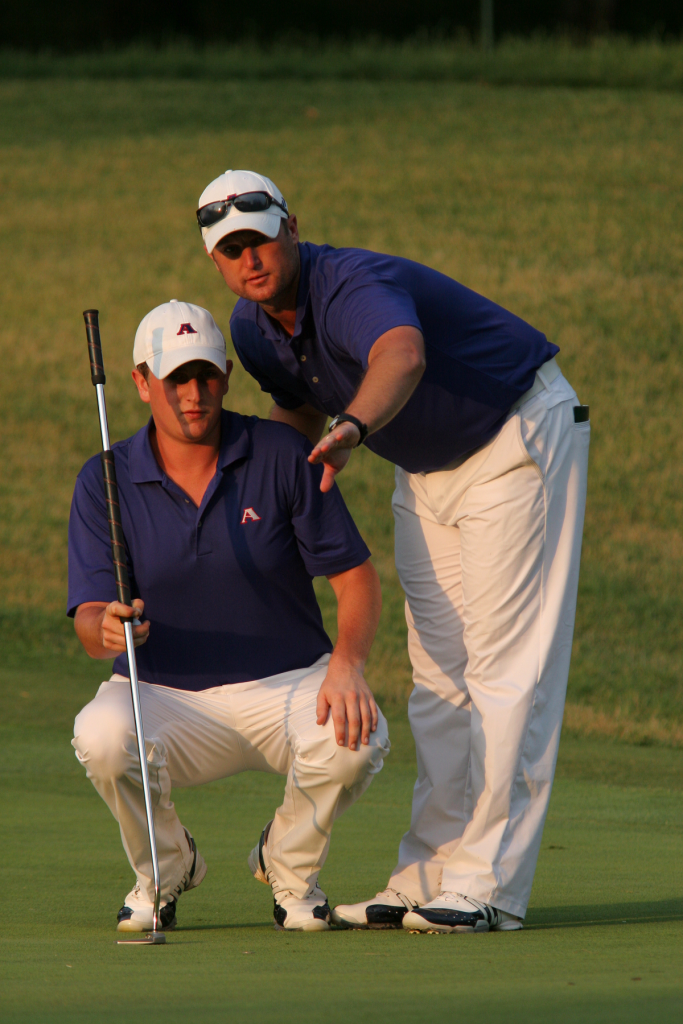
x=562 y=204
x=606 y=61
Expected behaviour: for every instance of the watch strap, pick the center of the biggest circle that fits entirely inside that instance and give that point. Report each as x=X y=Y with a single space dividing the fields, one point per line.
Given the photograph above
x=347 y=417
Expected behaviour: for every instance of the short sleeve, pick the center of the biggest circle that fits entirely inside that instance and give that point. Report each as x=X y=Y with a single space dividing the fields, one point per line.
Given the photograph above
x=91 y=574
x=363 y=309
x=328 y=538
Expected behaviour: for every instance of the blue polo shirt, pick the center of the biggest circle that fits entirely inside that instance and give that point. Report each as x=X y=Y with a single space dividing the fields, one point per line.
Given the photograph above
x=227 y=586
x=480 y=358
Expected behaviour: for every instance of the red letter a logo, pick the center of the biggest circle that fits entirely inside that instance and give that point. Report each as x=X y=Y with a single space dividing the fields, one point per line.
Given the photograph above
x=249 y=516
x=186 y=329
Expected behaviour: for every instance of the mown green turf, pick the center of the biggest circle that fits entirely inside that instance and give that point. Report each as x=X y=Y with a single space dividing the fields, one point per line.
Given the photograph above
x=602 y=943
x=563 y=205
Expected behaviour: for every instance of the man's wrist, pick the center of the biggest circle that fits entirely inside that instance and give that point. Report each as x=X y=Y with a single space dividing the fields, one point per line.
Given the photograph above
x=347 y=417
x=341 y=660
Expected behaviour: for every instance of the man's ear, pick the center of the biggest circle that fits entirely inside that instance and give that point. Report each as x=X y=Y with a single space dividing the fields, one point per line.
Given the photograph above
x=141 y=385
x=293 y=227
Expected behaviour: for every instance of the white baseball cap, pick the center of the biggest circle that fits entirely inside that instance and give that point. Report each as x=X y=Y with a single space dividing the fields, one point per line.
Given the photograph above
x=176 y=333
x=237 y=183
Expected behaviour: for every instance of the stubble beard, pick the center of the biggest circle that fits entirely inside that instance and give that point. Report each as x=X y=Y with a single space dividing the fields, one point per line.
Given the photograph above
x=277 y=296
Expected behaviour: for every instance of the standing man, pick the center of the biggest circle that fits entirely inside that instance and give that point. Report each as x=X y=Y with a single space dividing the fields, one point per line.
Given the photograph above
x=225 y=526
x=491 y=449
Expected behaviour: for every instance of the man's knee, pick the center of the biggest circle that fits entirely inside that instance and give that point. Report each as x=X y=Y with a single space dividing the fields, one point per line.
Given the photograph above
x=104 y=739
x=349 y=768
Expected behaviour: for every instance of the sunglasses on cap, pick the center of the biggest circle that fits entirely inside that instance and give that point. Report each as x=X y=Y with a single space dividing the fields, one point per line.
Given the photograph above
x=247 y=202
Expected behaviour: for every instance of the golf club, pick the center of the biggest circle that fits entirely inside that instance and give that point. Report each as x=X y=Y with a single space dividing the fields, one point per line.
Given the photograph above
x=92 y=328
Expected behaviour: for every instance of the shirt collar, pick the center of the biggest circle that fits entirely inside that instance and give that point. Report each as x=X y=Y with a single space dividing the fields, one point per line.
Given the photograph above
x=235 y=445
x=235 y=440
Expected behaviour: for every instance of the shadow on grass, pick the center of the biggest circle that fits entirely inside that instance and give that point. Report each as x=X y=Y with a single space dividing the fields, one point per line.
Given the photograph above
x=541 y=918
x=220 y=927
x=611 y=913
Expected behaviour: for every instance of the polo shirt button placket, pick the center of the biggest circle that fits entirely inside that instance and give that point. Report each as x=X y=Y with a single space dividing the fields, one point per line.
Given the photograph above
x=308 y=374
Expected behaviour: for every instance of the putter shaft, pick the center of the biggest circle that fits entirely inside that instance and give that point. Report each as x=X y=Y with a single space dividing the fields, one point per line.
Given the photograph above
x=140 y=734
x=123 y=591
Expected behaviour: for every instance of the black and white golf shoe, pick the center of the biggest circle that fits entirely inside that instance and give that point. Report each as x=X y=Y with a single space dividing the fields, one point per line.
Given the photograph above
x=386 y=910
x=453 y=912
x=137 y=913
x=311 y=914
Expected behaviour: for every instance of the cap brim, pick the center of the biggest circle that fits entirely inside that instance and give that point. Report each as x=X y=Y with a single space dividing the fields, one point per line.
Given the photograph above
x=265 y=223
x=163 y=363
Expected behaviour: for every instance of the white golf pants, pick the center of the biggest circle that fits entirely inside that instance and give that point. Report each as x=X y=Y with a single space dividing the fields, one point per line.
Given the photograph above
x=488 y=555
x=267 y=725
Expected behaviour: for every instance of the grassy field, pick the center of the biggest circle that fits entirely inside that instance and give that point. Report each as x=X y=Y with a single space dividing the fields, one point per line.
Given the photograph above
x=602 y=941
x=562 y=205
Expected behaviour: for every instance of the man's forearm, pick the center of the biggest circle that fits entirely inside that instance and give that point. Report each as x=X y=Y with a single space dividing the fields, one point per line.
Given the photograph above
x=395 y=367
x=359 y=604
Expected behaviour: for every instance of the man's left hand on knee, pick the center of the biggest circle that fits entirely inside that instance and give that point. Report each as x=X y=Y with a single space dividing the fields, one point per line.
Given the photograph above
x=344 y=691
x=348 y=697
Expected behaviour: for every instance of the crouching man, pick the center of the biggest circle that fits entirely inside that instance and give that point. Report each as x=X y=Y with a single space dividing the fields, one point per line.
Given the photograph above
x=225 y=526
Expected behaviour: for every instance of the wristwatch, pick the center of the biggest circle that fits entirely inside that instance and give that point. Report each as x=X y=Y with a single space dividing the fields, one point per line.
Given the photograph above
x=346 y=417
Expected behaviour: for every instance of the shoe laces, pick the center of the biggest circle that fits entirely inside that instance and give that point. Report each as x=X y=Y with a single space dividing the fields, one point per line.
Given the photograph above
x=455 y=897
x=451 y=897
x=405 y=900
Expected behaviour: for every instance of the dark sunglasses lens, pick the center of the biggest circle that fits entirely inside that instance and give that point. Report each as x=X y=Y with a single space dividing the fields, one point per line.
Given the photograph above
x=212 y=213
x=252 y=202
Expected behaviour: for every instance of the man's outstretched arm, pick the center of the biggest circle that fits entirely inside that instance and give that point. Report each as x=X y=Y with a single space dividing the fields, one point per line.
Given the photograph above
x=344 y=691
x=395 y=366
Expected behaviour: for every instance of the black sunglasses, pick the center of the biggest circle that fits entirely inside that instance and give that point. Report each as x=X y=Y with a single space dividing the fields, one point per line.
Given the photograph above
x=247 y=202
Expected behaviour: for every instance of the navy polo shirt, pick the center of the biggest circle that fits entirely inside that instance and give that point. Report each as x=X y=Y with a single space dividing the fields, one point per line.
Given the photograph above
x=227 y=586
x=480 y=358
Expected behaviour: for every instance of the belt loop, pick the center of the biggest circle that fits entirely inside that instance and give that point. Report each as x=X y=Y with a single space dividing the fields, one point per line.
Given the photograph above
x=545 y=377
x=539 y=373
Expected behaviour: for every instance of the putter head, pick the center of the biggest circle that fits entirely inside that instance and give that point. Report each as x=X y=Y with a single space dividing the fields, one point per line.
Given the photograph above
x=151 y=939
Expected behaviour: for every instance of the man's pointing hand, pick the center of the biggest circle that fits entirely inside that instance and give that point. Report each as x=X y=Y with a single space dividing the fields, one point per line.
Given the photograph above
x=334 y=451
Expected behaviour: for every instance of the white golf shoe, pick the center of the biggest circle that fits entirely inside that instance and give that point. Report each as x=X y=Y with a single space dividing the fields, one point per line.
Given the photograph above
x=137 y=913
x=386 y=910
x=453 y=912
x=311 y=914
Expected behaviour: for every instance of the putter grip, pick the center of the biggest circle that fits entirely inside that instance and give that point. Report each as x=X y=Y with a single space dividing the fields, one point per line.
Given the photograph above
x=92 y=329
x=118 y=544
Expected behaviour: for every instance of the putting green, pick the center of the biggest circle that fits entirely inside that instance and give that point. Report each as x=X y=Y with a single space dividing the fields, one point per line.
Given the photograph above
x=602 y=942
